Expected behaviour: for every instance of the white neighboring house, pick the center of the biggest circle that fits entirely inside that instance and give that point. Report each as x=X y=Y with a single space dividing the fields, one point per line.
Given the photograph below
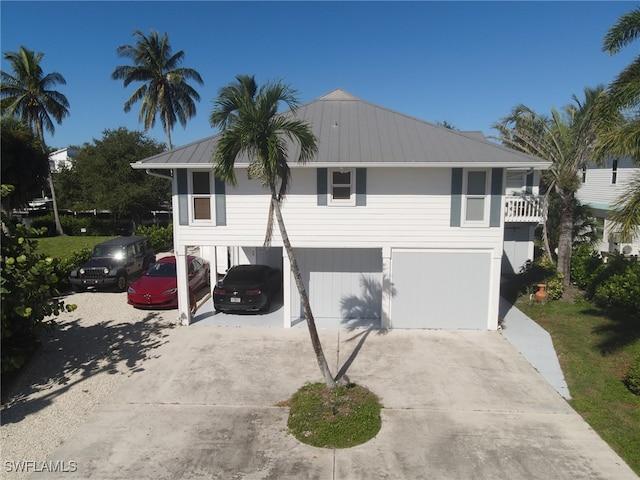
x=62 y=158
x=601 y=186
x=396 y=222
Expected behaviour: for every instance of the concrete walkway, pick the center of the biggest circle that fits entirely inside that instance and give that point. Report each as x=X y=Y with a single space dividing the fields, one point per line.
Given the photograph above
x=457 y=405
x=535 y=344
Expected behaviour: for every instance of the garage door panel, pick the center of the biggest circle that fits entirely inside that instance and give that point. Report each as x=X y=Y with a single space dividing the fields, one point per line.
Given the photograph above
x=337 y=281
x=440 y=289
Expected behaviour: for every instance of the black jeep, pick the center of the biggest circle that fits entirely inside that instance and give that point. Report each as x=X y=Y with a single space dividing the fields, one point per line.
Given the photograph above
x=112 y=263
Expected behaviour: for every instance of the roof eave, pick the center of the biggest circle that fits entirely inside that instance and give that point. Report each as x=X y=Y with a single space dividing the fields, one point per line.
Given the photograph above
x=516 y=165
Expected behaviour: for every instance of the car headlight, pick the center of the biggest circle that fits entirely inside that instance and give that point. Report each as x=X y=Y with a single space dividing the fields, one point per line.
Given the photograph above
x=131 y=290
x=171 y=291
x=81 y=271
x=105 y=270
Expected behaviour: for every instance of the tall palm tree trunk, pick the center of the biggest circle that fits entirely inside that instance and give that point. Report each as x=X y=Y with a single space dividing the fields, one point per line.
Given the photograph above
x=304 y=299
x=565 y=240
x=54 y=202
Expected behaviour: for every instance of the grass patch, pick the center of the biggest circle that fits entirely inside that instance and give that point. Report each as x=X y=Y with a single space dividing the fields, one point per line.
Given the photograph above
x=595 y=349
x=339 y=418
x=62 y=247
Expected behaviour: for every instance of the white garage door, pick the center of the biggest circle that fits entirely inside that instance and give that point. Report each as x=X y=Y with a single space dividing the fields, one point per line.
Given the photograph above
x=438 y=289
x=341 y=283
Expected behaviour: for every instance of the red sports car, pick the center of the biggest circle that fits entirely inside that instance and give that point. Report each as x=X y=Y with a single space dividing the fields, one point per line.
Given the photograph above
x=158 y=287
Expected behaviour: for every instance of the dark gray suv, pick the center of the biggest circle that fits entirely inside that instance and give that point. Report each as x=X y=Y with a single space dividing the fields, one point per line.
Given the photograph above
x=112 y=263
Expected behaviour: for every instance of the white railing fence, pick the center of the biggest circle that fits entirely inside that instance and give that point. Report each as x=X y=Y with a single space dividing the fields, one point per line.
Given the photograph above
x=524 y=208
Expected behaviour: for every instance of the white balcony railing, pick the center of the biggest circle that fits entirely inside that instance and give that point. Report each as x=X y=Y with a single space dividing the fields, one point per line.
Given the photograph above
x=524 y=208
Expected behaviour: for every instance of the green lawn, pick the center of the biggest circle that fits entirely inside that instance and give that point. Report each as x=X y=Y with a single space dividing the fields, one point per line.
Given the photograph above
x=595 y=350
x=62 y=247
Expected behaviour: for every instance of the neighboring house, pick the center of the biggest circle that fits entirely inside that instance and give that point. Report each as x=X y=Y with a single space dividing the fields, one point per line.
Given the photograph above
x=61 y=159
x=601 y=186
x=396 y=222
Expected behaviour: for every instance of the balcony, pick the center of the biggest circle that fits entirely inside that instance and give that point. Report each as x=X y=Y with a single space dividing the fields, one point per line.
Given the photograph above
x=524 y=208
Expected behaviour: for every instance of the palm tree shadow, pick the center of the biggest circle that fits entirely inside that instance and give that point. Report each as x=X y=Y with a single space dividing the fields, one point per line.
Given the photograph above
x=363 y=313
x=622 y=330
x=75 y=353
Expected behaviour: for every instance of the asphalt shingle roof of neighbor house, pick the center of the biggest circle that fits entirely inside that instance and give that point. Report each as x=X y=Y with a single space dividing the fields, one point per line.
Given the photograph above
x=352 y=132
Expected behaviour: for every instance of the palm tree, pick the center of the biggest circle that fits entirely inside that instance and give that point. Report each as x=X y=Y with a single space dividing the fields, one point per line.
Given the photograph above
x=623 y=139
x=250 y=125
x=27 y=95
x=164 y=90
x=566 y=139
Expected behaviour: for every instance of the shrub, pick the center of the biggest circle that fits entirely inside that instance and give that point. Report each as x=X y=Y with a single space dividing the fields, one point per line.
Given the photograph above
x=28 y=290
x=542 y=270
x=632 y=378
x=584 y=263
x=63 y=267
x=161 y=238
x=621 y=290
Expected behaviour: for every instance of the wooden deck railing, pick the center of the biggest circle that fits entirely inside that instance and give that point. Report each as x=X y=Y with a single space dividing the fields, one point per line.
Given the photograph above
x=524 y=208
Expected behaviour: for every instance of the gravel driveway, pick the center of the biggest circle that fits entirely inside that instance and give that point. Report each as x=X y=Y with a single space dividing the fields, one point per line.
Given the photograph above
x=94 y=350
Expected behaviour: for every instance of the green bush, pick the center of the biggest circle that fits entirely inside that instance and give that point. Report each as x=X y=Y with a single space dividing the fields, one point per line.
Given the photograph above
x=544 y=271
x=632 y=378
x=161 y=238
x=584 y=263
x=77 y=226
x=63 y=267
x=28 y=293
x=621 y=290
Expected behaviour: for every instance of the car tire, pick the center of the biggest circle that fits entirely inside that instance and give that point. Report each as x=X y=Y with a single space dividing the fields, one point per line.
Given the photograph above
x=121 y=283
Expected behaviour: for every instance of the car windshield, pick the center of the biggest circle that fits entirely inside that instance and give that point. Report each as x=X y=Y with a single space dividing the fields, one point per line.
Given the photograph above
x=245 y=275
x=113 y=252
x=162 y=270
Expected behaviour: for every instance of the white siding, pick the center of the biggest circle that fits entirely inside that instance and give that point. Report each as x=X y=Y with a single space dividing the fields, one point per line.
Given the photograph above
x=407 y=207
x=598 y=190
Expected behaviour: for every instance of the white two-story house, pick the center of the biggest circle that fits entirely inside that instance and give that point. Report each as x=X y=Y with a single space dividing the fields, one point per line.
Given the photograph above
x=601 y=186
x=395 y=221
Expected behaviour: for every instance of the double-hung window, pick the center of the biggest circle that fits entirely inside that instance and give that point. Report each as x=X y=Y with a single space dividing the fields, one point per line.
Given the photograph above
x=201 y=198
x=342 y=187
x=476 y=199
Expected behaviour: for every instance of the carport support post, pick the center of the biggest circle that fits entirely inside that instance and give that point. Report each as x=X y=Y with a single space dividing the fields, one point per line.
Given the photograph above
x=184 y=310
x=286 y=289
x=385 y=321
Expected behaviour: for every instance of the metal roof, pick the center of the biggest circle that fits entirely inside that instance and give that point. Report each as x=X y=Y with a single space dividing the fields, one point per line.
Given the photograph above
x=352 y=132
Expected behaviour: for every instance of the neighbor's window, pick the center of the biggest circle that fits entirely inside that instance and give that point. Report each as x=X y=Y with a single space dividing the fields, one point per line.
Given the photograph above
x=201 y=196
x=342 y=187
x=476 y=199
x=614 y=172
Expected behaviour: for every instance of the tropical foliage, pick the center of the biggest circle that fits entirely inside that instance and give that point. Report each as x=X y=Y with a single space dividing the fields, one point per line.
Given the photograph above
x=164 y=91
x=102 y=178
x=27 y=94
x=623 y=139
x=251 y=126
x=565 y=138
x=29 y=292
x=24 y=164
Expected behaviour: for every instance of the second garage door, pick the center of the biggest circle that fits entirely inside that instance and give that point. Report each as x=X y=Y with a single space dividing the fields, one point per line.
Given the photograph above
x=440 y=289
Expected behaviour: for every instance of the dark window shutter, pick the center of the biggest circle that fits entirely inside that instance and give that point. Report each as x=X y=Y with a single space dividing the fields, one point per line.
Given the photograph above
x=322 y=186
x=496 y=197
x=456 y=196
x=183 y=196
x=361 y=187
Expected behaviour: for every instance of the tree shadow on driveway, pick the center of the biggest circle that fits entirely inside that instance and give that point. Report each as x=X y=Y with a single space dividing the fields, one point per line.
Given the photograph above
x=75 y=353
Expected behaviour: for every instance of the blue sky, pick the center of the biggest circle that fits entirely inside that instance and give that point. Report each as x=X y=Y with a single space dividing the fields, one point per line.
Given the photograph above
x=467 y=63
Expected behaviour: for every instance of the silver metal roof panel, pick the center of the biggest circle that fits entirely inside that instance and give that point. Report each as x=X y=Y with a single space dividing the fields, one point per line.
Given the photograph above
x=353 y=132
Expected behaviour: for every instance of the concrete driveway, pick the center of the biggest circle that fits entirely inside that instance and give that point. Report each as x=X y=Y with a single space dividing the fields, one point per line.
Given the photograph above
x=457 y=405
